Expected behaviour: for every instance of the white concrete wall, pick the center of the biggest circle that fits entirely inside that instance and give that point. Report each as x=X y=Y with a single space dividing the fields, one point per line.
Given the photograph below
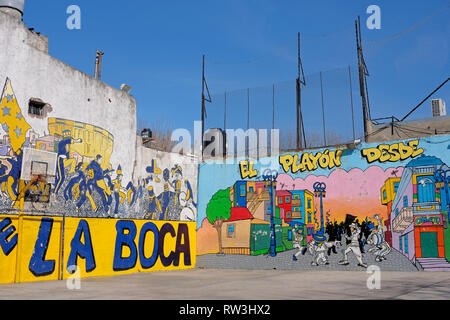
x=35 y=74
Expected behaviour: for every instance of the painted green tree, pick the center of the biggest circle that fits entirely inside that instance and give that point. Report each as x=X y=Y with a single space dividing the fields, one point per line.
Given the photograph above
x=218 y=211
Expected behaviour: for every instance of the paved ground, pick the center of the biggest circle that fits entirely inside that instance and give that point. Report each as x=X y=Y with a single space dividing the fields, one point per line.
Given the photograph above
x=202 y=284
x=283 y=261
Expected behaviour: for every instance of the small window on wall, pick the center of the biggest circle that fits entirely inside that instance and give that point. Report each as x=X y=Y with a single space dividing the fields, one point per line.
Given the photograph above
x=406 y=244
x=288 y=199
x=231 y=229
x=290 y=235
x=309 y=203
x=242 y=191
x=38 y=108
x=396 y=185
x=405 y=201
x=401 y=244
x=280 y=200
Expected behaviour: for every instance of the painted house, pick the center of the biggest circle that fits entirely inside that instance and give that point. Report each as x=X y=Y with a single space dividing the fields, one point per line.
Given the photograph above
x=388 y=192
x=284 y=203
x=416 y=216
x=240 y=194
x=235 y=234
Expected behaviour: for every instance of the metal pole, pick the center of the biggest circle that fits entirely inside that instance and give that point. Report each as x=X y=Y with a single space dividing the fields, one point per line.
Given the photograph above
x=248 y=108
x=351 y=102
x=273 y=107
x=225 y=114
x=323 y=111
x=273 y=252
x=203 y=106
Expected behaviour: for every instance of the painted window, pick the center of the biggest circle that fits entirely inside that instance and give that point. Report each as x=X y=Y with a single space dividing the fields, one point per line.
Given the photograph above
x=242 y=191
x=396 y=185
x=288 y=200
x=396 y=212
x=401 y=244
x=309 y=204
x=231 y=229
x=288 y=215
x=406 y=243
x=290 y=235
x=280 y=200
x=251 y=189
x=296 y=197
x=309 y=231
x=384 y=194
x=405 y=201
x=426 y=191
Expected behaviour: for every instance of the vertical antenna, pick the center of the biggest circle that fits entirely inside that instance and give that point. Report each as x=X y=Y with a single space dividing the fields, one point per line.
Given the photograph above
x=351 y=102
x=300 y=81
x=98 y=65
x=323 y=111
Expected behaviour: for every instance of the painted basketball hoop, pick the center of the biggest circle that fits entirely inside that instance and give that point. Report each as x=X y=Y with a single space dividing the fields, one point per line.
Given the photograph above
x=38 y=171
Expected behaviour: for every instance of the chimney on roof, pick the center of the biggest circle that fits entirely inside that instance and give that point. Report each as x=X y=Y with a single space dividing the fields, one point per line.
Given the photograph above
x=13 y=8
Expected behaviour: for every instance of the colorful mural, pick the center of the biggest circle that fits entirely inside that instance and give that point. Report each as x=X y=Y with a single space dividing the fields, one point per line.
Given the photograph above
x=85 y=184
x=343 y=209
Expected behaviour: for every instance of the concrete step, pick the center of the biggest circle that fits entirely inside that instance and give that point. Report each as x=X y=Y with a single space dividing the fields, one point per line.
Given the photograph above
x=434 y=264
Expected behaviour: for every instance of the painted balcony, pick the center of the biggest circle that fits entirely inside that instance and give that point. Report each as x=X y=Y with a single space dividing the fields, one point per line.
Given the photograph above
x=403 y=220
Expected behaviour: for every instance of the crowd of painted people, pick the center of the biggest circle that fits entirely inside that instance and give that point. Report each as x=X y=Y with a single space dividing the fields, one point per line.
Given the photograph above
x=351 y=237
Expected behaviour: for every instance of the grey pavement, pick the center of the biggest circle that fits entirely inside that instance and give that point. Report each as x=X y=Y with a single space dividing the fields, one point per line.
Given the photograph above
x=213 y=284
x=395 y=262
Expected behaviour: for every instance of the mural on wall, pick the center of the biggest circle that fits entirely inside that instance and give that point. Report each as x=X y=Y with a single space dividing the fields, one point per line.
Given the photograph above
x=85 y=183
x=384 y=205
x=51 y=249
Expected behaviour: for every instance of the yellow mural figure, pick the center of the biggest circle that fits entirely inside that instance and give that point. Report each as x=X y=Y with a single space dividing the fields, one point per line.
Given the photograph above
x=119 y=196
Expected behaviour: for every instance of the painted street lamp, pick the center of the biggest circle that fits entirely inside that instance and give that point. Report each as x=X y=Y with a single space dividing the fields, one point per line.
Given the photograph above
x=442 y=179
x=270 y=182
x=320 y=192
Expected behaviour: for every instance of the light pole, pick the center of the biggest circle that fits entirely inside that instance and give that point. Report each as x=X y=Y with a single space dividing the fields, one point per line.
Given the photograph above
x=320 y=191
x=442 y=180
x=270 y=182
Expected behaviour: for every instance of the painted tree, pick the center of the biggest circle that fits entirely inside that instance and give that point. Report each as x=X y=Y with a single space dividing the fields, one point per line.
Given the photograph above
x=218 y=211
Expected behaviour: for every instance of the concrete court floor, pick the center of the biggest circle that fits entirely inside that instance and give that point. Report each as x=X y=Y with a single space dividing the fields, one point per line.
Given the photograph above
x=211 y=284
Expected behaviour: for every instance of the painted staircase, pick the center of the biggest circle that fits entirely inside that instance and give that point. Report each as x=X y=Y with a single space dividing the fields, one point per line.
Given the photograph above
x=434 y=264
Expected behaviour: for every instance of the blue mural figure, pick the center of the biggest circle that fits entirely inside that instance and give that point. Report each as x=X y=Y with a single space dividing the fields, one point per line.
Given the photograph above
x=12 y=179
x=110 y=185
x=3 y=177
x=131 y=194
x=99 y=184
x=64 y=159
x=154 y=205
x=86 y=190
x=68 y=191
x=164 y=200
x=189 y=194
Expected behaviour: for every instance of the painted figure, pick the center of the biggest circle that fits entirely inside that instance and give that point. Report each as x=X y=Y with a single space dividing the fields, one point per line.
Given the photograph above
x=318 y=248
x=377 y=239
x=64 y=159
x=154 y=205
x=177 y=175
x=86 y=189
x=119 y=195
x=354 y=246
x=297 y=239
x=99 y=184
x=74 y=183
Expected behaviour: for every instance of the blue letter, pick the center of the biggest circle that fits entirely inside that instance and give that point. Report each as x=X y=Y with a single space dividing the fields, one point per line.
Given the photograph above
x=6 y=245
x=123 y=239
x=85 y=250
x=150 y=262
x=38 y=265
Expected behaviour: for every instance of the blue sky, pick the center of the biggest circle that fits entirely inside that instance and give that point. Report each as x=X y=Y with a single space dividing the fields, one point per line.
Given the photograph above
x=156 y=47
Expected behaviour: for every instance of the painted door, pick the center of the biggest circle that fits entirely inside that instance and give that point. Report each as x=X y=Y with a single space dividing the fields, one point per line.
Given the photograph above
x=429 y=244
